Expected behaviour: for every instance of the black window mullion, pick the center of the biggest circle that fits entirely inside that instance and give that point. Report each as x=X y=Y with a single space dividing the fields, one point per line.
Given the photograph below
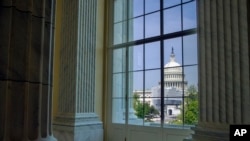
x=144 y=62
x=156 y=38
x=162 y=61
x=182 y=66
x=127 y=65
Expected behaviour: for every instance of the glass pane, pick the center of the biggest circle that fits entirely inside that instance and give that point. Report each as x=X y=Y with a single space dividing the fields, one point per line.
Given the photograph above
x=136 y=58
x=136 y=29
x=173 y=112
x=119 y=60
x=152 y=25
x=135 y=83
x=135 y=92
x=191 y=106
x=118 y=102
x=173 y=52
x=173 y=98
x=136 y=8
x=168 y=3
x=119 y=10
x=152 y=55
x=172 y=20
x=152 y=105
x=119 y=85
x=118 y=110
x=189 y=15
x=136 y=116
x=152 y=79
x=145 y=112
x=190 y=49
x=191 y=75
x=152 y=5
x=120 y=33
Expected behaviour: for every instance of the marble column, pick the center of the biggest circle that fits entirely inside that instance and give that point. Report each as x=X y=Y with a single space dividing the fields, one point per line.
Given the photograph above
x=26 y=52
x=224 y=95
x=76 y=119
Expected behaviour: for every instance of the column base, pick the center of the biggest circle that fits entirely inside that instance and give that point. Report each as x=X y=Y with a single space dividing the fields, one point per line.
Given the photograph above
x=84 y=127
x=209 y=134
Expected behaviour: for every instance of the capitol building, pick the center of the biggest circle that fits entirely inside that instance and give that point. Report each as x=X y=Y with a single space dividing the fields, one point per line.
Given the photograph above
x=175 y=87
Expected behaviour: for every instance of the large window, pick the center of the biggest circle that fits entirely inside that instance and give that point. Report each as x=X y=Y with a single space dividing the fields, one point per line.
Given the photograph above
x=154 y=62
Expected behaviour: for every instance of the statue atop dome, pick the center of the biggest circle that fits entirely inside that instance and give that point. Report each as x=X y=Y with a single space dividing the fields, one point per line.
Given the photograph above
x=172 y=56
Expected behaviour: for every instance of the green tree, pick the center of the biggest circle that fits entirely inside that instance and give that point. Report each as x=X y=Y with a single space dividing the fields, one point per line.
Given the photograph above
x=190 y=108
x=143 y=110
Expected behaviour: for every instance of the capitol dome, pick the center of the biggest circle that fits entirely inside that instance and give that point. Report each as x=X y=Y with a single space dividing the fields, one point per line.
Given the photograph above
x=172 y=66
x=173 y=74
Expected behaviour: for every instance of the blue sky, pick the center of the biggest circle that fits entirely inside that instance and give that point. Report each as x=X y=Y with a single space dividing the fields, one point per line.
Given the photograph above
x=172 y=23
x=152 y=59
x=172 y=20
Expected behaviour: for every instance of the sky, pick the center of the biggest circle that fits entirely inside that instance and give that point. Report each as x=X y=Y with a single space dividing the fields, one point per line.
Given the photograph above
x=172 y=23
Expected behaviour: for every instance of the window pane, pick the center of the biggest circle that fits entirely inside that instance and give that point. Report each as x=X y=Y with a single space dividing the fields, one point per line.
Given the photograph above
x=152 y=25
x=152 y=55
x=173 y=111
x=172 y=20
x=191 y=106
x=136 y=115
x=135 y=83
x=136 y=29
x=189 y=15
x=136 y=58
x=120 y=32
x=173 y=52
x=190 y=49
x=173 y=94
x=118 y=100
x=136 y=8
x=168 y=3
x=119 y=85
x=152 y=79
x=119 y=60
x=119 y=10
x=191 y=75
x=152 y=85
x=152 y=5
x=118 y=110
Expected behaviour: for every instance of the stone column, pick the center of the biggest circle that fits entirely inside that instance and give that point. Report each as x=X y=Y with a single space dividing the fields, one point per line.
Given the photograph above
x=26 y=52
x=224 y=77
x=76 y=119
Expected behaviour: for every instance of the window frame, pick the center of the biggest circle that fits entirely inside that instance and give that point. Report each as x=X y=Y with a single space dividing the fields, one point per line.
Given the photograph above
x=161 y=38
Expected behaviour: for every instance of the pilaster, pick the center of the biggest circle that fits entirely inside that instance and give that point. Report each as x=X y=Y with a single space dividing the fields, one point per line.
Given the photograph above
x=223 y=68
x=76 y=119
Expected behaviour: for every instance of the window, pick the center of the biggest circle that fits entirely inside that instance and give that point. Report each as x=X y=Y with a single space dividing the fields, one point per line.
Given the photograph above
x=154 y=62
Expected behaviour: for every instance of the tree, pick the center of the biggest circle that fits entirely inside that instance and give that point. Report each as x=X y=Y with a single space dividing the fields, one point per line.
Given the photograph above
x=143 y=110
x=190 y=108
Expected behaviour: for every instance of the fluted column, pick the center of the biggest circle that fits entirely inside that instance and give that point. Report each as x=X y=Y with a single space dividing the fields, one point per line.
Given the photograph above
x=76 y=119
x=223 y=67
x=26 y=52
